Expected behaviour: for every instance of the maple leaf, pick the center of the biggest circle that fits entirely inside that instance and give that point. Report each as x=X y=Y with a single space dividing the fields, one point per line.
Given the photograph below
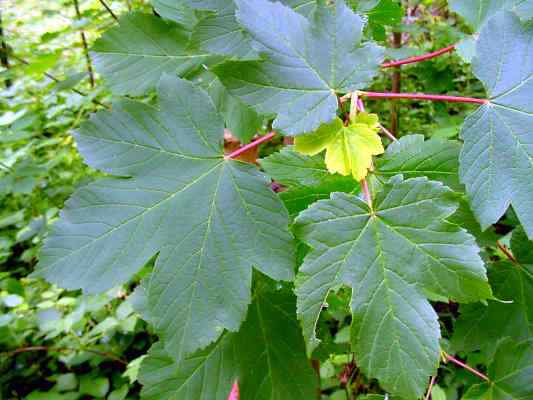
x=267 y=356
x=305 y=62
x=393 y=256
x=349 y=149
x=496 y=162
x=209 y=219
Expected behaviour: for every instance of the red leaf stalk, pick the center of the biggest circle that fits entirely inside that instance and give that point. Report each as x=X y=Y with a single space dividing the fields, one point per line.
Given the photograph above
x=234 y=395
x=250 y=145
x=366 y=193
x=416 y=59
x=422 y=96
x=466 y=366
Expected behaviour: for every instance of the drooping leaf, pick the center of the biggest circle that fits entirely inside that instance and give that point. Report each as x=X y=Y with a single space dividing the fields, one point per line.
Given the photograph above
x=496 y=163
x=510 y=373
x=306 y=62
x=267 y=356
x=134 y=55
x=176 y=11
x=481 y=326
x=478 y=12
x=349 y=149
x=412 y=156
x=393 y=257
x=208 y=219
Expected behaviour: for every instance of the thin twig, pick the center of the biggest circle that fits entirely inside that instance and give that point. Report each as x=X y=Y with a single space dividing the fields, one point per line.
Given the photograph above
x=57 y=80
x=466 y=366
x=249 y=146
x=387 y=133
x=430 y=388
x=85 y=46
x=396 y=87
x=422 y=96
x=109 y=10
x=416 y=59
x=4 y=58
x=62 y=350
x=507 y=253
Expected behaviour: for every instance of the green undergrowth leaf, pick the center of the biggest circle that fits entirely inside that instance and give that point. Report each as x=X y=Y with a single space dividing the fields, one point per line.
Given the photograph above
x=208 y=219
x=267 y=357
x=393 y=257
x=496 y=163
x=295 y=80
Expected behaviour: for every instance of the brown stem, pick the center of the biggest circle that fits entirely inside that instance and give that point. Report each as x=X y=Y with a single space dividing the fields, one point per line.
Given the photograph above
x=430 y=388
x=85 y=46
x=55 y=79
x=62 y=350
x=506 y=251
x=4 y=58
x=396 y=86
x=366 y=192
x=109 y=10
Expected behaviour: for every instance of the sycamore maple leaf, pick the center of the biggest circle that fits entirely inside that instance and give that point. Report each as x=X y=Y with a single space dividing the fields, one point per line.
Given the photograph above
x=349 y=149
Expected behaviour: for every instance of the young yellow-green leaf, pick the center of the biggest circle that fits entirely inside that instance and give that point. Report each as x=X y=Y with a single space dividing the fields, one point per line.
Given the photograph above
x=305 y=62
x=393 y=257
x=496 y=163
x=510 y=374
x=267 y=356
x=208 y=219
x=349 y=149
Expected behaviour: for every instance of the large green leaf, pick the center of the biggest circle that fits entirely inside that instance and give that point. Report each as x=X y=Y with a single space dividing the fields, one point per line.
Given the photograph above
x=496 y=163
x=478 y=12
x=438 y=159
x=481 y=326
x=306 y=62
x=132 y=56
x=392 y=256
x=510 y=374
x=267 y=356
x=209 y=219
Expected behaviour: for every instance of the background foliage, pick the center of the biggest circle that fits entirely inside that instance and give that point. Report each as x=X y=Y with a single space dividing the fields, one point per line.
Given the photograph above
x=61 y=344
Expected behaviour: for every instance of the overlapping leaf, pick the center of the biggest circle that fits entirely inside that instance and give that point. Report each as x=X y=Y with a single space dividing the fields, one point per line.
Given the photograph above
x=480 y=326
x=306 y=61
x=478 y=12
x=349 y=149
x=393 y=257
x=209 y=219
x=134 y=55
x=412 y=156
x=306 y=177
x=510 y=374
x=176 y=11
x=496 y=162
x=267 y=356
